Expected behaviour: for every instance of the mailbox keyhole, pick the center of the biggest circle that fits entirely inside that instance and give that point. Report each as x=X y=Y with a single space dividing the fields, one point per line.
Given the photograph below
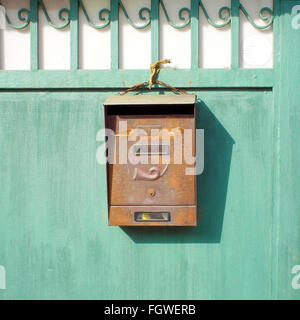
x=151 y=193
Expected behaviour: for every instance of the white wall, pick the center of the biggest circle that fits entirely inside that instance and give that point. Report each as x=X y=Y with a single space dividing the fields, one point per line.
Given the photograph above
x=94 y=50
x=175 y=44
x=54 y=44
x=14 y=44
x=135 y=45
x=215 y=44
x=256 y=45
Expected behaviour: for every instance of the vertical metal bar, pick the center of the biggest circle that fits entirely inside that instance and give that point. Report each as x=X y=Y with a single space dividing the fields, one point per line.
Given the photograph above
x=195 y=34
x=155 y=38
x=114 y=34
x=34 y=35
x=276 y=34
x=235 y=34
x=74 y=34
x=276 y=173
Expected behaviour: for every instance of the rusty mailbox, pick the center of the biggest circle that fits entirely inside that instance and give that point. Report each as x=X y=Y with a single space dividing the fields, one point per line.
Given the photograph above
x=148 y=141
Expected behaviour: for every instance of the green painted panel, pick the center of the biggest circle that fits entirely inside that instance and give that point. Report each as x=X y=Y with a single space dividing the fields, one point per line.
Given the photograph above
x=55 y=242
x=289 y=108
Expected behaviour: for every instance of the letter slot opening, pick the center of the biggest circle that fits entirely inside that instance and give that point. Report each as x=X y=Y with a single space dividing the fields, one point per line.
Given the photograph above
x=152 y=216
x=151 y=149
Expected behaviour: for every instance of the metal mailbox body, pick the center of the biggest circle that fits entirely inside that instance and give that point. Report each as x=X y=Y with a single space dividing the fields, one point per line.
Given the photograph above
x=144 y=193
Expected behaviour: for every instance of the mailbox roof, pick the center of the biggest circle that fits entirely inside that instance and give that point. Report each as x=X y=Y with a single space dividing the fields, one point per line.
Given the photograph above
x=151 y=99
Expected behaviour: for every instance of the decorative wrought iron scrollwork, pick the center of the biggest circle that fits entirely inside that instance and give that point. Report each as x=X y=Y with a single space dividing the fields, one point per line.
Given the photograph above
x=61 y=13
x=224 y=14
x=105 y=18
x=141 y=16
x=268 y=18
x=225 y=17
x=23 y=15
x=180 y=14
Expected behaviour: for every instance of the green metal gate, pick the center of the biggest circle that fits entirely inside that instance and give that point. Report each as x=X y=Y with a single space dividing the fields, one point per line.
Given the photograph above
x=54 y=237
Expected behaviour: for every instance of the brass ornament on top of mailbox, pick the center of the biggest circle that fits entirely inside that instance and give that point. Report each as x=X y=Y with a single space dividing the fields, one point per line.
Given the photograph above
x=147 y=183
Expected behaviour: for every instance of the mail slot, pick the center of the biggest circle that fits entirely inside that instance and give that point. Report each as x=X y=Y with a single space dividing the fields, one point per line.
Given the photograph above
x=148 y=178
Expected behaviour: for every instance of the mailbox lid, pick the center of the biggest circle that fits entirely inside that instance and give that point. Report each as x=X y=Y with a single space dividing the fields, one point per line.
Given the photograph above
x=174 y=99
